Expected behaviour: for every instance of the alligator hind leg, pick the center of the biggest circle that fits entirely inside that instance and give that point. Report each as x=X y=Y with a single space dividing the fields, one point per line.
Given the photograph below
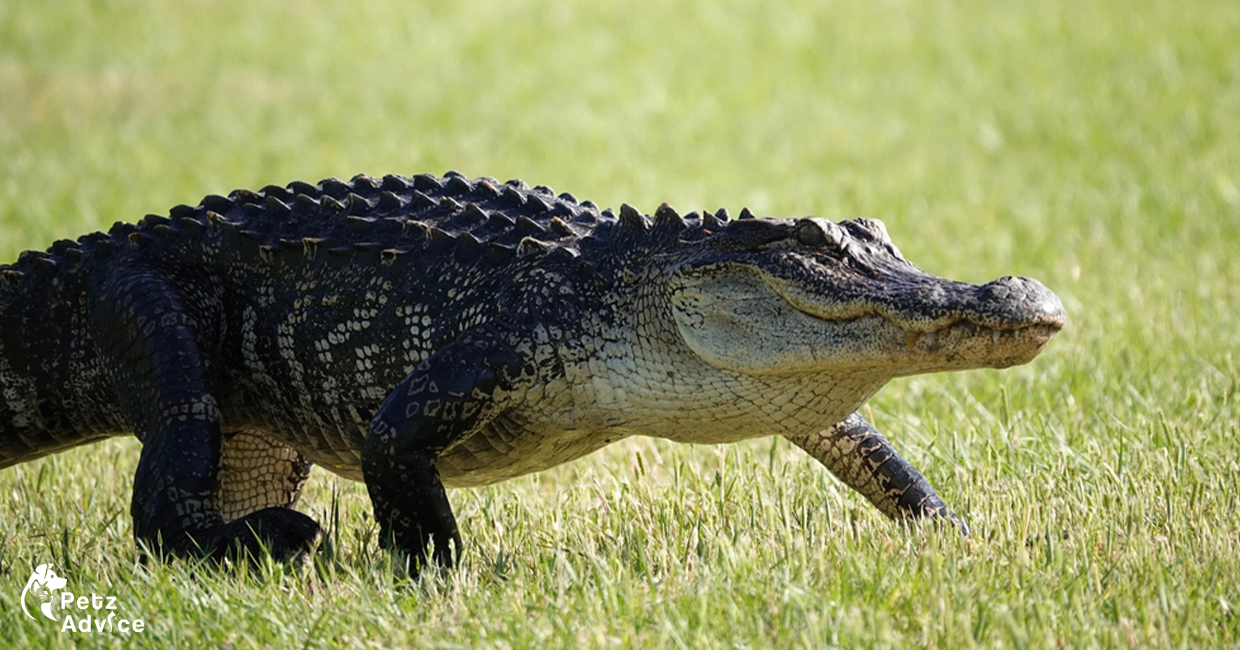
x=863 y=459
x=150 y=336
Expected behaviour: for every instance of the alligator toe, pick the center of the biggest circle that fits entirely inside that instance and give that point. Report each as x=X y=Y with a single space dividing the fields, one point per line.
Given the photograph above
x=283 y=534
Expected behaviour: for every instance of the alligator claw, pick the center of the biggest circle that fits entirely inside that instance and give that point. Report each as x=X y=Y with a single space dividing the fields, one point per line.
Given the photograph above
x=281 y=533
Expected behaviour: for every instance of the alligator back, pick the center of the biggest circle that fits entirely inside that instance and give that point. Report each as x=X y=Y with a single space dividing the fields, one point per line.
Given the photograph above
x=368 y=276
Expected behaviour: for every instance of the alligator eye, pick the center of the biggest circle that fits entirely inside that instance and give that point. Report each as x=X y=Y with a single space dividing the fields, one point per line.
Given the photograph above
x=810 y=233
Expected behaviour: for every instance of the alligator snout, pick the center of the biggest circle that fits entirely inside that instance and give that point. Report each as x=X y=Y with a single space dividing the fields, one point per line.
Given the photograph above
x=1015 y=303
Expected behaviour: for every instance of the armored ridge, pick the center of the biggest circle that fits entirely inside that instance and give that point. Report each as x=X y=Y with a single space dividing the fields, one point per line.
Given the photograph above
x=422 y=332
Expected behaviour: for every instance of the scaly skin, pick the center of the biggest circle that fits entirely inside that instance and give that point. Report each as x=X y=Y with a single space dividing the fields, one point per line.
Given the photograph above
x=430 y=332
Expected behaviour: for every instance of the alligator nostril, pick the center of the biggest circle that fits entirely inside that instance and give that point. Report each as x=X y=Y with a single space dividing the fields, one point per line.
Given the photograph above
x=1021 y=301
x=997 y=291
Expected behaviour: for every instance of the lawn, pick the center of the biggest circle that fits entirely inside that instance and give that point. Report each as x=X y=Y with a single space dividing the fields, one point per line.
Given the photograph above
x=1092 y=145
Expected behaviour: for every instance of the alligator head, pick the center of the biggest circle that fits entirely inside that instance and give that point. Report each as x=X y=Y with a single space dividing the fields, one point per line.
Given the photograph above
x=808 y=296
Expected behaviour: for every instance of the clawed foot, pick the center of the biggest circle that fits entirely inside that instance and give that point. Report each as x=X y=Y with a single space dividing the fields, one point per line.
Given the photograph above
x=282 y=534
x=939 y=517
x=956 y=521
x=415 y=553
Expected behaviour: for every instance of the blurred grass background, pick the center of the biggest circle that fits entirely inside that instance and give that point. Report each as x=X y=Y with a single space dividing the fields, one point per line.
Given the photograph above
x=1093 y=145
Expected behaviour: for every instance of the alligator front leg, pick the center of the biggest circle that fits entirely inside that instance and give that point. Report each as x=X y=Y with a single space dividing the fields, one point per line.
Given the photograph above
x=863 y=459
x=446 y=398
x=151 y=337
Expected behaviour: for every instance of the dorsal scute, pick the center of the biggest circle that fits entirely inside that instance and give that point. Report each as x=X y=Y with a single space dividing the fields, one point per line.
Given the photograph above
x=243 y=196
x=631 y=220
x=404 y=216
x=363 y=182
x=335 y=188
x=277 y=207
x=666 y=217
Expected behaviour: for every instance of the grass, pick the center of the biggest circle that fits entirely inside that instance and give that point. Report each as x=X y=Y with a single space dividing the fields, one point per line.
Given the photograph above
x=1092 y=145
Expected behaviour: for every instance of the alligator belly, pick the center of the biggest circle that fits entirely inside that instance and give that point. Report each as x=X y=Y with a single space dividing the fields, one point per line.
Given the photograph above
x=506 y=449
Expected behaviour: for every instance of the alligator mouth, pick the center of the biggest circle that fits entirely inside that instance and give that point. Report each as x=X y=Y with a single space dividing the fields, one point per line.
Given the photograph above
x=1049 y=316
x=969 y=329
x=961 y=327
x=765 y=325
x=1009 y=304
x=996 y=347
x=957 y=344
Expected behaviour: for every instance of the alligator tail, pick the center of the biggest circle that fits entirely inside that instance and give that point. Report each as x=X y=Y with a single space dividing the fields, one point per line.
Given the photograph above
x=50 y=397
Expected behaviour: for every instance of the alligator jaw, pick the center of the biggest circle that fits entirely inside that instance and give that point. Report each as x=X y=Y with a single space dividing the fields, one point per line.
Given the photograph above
x=936 y=325
x=965 y=344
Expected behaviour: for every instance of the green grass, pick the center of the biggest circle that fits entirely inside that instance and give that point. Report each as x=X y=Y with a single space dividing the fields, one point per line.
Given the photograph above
x=1093 y=145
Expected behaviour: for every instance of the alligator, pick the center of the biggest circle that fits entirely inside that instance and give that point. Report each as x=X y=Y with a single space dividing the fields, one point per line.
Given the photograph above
x=418 y=333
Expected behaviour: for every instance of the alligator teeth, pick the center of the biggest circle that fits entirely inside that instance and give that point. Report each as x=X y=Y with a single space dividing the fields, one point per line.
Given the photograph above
x=994 y=336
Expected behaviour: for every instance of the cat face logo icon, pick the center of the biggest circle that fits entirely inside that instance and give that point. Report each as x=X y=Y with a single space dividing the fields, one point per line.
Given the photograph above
x=42 y=583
